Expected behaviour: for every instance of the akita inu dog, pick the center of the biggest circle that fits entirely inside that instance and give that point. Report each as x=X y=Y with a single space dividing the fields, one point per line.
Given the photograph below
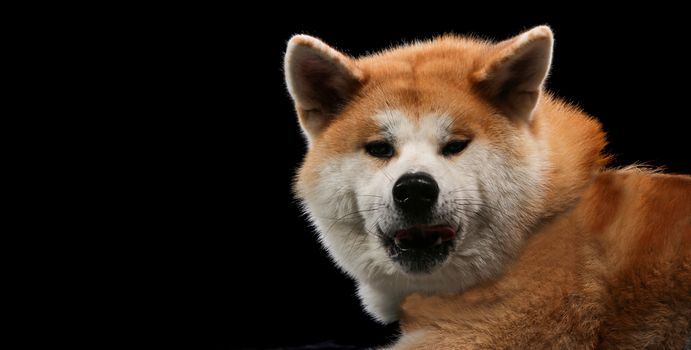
x=444 y=165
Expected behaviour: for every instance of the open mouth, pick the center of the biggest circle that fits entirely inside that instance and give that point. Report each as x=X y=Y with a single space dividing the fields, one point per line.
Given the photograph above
x=420 y=248
x=423 y=236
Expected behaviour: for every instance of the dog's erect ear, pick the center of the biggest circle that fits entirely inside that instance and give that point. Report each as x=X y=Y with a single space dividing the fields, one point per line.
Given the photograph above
x=320 y=79
x=513 y=75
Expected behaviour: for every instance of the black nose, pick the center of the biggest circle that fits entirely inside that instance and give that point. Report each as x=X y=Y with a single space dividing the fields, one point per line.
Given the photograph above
x=415 y=194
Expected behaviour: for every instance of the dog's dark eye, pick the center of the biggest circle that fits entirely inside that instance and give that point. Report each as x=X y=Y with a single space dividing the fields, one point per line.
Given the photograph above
x=379 y=149
x=454 y=147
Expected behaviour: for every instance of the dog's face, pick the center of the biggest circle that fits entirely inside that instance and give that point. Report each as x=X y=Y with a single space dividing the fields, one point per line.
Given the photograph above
x=423 y=168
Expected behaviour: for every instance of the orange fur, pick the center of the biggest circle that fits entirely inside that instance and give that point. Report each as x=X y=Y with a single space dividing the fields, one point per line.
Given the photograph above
x=440 y=75
x=609 y=262
x=614 y=272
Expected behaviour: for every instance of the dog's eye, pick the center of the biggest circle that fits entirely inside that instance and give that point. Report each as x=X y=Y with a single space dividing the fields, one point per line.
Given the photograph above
x=380 y=149
x=454 y=147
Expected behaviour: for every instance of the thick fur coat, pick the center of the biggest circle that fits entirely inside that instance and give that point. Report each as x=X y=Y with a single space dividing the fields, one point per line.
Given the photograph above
x=536 y=245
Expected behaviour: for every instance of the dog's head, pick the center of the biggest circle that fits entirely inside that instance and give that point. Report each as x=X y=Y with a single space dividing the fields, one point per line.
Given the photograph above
x=425 y=165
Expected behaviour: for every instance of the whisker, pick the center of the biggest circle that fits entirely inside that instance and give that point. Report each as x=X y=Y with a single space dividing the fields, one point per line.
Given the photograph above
x=350 y=214
x=479 y=214
x=387 y=175
x=470 y=203
x=474 y=215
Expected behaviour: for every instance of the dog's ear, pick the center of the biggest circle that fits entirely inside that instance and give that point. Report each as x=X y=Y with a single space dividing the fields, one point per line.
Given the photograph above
x=320 y=80
x=513 y=74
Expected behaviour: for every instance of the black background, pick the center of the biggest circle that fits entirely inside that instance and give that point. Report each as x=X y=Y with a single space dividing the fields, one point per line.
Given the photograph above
x=251 y=269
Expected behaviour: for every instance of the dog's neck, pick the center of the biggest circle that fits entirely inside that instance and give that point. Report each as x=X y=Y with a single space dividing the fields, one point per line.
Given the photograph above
x=575 y=143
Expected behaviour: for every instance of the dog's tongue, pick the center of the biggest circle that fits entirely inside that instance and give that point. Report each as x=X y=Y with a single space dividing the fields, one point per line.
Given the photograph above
x=423 y=236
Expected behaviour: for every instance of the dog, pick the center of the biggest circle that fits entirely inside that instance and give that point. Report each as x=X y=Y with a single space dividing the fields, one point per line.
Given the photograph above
x=444 y=173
